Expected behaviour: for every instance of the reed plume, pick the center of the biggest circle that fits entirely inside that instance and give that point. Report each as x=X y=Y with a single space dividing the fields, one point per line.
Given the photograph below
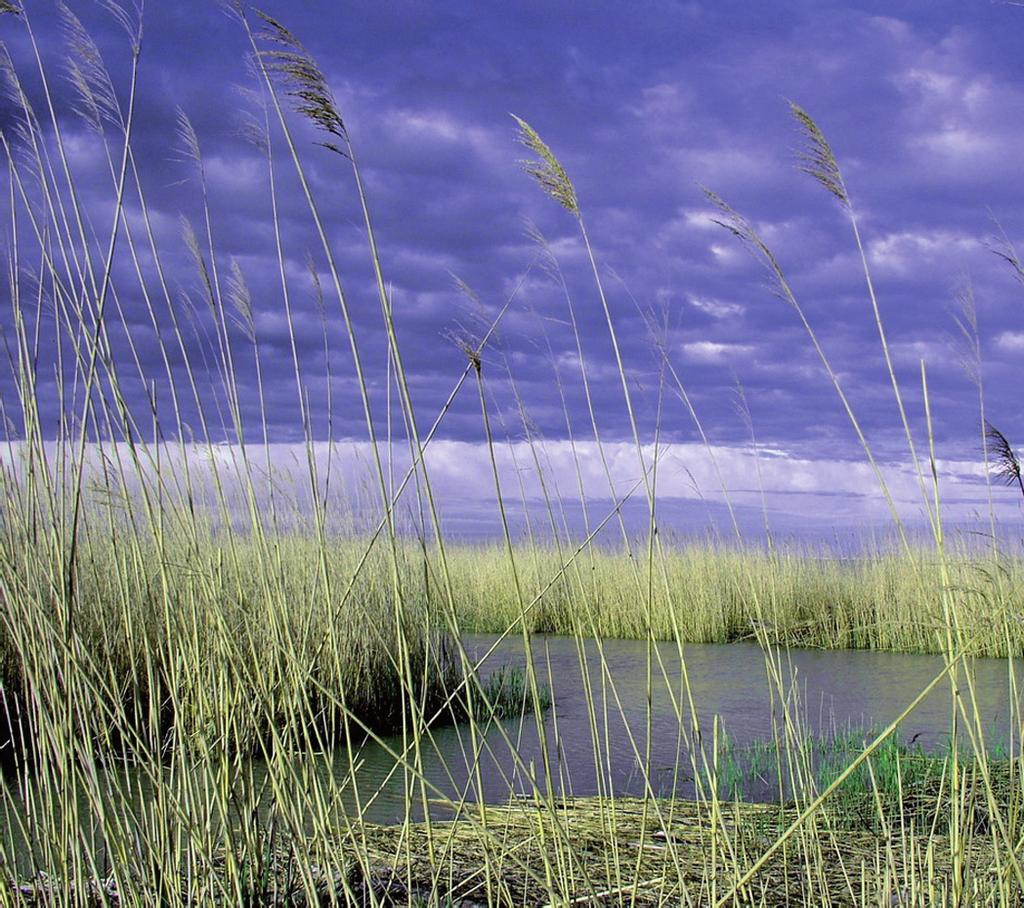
x=88 y=74
x=129 y=17
x=1006 y=464
x=736 y=224
x=304 y=81
x=188 y=140
x=546 y=168
x=1004 y=248
x=817 y=159
x=241 y=301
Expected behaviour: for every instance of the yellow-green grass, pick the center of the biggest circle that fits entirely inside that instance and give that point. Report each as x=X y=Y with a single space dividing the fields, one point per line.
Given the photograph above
x=219 y=642
x=704 y=594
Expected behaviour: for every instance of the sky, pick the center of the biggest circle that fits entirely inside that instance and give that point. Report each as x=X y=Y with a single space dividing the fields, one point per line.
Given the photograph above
x=645 y=105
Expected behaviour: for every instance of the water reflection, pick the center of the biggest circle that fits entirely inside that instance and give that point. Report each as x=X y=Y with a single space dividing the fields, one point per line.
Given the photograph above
x=600 y=745
x=605 y=735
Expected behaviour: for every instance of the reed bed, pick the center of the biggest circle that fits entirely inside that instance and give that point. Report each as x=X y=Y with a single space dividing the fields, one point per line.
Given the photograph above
x=191 y=658
x=717 y=595
x=231 y=628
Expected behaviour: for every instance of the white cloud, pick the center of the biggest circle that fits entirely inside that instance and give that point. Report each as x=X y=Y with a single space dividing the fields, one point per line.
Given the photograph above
x=442 y=128
x=957 y=143
x=700 y=218
x=895 y=28
x=927 y=80
x=716 y=308
x=904 y=251
x=712 y=352
x=1011 y=341
x=724 y=255
x=235 y=173
x=665 y=101
x=844 y=492
x=955 y=128
x=912 y=352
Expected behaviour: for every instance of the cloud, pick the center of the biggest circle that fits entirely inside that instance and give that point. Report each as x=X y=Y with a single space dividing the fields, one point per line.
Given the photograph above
x=911 y=352
x=843 y=494
x=905 y=252
x=1010 y=341
x=919 y=110
x=713 y=352
x=714 y=307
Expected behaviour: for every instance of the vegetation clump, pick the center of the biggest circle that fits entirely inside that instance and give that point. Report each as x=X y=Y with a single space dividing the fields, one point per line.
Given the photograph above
x=505 y=695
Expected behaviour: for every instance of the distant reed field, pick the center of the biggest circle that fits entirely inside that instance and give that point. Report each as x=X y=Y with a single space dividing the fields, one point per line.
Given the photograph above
x=717 y=595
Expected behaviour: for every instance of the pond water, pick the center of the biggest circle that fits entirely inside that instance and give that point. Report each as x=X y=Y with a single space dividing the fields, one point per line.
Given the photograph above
x=827 y=691
x=599 y=743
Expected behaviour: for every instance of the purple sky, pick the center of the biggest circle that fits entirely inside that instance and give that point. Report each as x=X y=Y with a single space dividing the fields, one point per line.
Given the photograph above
x=923 y=103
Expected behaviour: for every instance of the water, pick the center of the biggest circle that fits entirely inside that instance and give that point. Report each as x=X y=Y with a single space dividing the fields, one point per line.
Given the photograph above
x=829 y=691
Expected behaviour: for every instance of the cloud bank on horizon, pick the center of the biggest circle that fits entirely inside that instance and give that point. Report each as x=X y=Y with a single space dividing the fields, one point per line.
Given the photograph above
x=922 y=103
x=727 y=493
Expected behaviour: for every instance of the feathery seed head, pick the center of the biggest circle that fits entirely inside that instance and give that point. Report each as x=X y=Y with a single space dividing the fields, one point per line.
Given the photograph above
x=188 y=233
x=534 y=235
x=318 y=289
x=305 y=82
x=548 y=262
x=130 y=20
x=6 y=6
x=25 y=130
x=278 y=33
x=469 y=345
x=88 y=73
x=195 y=250
x=476 y=315
x=817 y=159
x=241 y=300
x=1003 y=247
x=966 y=344
x=189 y=141
x=546 y=168
x=737 y=225
x=465 y=289
x=253 y=130
x=251 y=126
x=11 y=83
x=87 y=107
x=744 y=231
x=191 y=310
x=1006 y=465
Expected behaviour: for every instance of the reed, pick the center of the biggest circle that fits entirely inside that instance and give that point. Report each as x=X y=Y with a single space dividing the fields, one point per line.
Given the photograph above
x=717 y=595
x=195 y=657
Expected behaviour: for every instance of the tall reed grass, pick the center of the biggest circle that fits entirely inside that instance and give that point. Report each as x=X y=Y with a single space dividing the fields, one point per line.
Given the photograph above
x=716 y=595
x=181 y=671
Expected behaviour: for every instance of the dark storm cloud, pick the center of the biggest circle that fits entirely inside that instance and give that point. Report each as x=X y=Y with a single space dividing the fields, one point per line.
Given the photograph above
x=922 y=103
